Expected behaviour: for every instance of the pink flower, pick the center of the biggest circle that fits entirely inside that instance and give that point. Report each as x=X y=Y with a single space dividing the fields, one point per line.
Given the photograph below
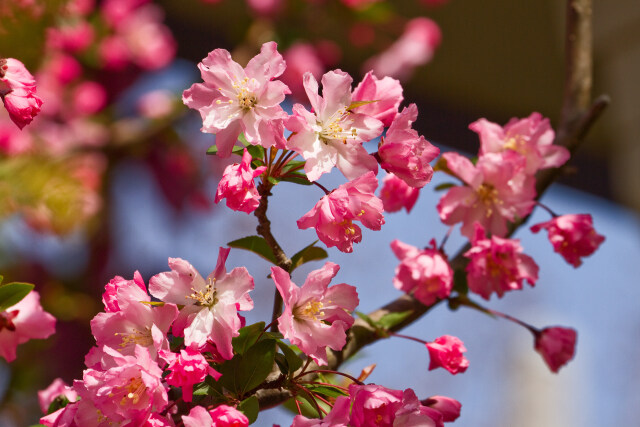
x=156 y=104
x=387 y=94
x=265 y=7
x=22 y=322
x=496 y=191
x=446 y=352
x=531 y=137
x=572 y=236
x=413 y=413
x=332 y=135
x=55 y=389
x=18 y=92
x=556 y=345
x=210 y=307
x=425 y=274
x=237 y=185
x=126 y=388
x=221 y=416
x=315 y=316
x=414 y=48
x=135 y=324
x=373 y=405
x=89 y=98
x=397 y=194
x=110 y=295
x=337 y=417
x=497 y=265
x=187 y=369
x=233 y=100
x=448 y=407
x=333 y=215
x=405 y=153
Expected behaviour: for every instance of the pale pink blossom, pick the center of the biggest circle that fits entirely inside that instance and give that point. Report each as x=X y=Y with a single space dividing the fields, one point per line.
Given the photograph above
x=188 y=368
x=115 y=12
x=496 y=191
x=72 y=37
x=210 y=307
x=337 y=417
x=57 y=388
x=156 y=104
x=315 y=315
x=413 y=413
x=65 y=68
x=531 y=137
x=572 y=236
x=405 y=153
x=126 y=388
x=414 y=48
x=373 y=405
x=233 y=100
x=448 y=407
x=301 y=58
x=18 y=92
x=497 y=265
x=220 y=416
x=238 y=187
x=12 y=141
x=387 y=94
x=265 y=7
x=425 y=273
x=397 y=194
x=357 y=4
x=22 y=322
x=332 y=135
x=556 y=345
x=333 y=215
x=136 y=323
x=446 y=352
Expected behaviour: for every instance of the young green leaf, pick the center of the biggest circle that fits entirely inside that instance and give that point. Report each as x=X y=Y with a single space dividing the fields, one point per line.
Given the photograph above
x=294 y=362
x=247 y=337
x=13 y=293
x=390 y=320
x=257 y=245
x=308 y=253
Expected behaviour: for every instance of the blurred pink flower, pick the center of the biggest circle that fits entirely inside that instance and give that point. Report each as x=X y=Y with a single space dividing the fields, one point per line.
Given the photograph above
x=446 y=352
x=397 y=194
x=556 y=345
x=57 y=388
x=301 y=58
x=448 y=407
x=572 y=236
x=89 y=98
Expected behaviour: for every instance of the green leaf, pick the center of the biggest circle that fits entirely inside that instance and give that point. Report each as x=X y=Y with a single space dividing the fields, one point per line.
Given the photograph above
x=257 y=245
x=356 y=104
x=247 y=338
x=246 y=371
x=236 y=150
x=367 y=319
x=13 y=293
x=58 y=403
x=273 y=180
x=294 y=362
x=1 y=278
x=250 y=407
x=390 y=320
x=308 y=253
x=326 y=390
x=296 y=178
x=444 y=186
x=293 y=164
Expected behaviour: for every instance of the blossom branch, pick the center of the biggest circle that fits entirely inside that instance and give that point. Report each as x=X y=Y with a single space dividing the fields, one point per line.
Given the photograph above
x=578 y=115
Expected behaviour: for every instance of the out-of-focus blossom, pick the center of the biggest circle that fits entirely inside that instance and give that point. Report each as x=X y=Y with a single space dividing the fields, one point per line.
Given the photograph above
x=265 y=7
x=425 y=273
x=446 y=352
x=572 y=236
x=531 y=137
x=333 y=215
x=448 y=407
x=405 y=153
x=315 y=315
x=57 y=388
x=238 y=187
x=72 y=38
x=332 y=135
x=233 y=100
x=497 y=265
x=156 y=104
x=414 y=48
x=556 y=345
x=397 y=194
x=12 y=141
x=301 y=58
x=386 y=94
x=64 y=67
x=496 y=191
x=358 y=4
x=18 y=92
x=22 y=322
x=210 y=307
x=89 y=98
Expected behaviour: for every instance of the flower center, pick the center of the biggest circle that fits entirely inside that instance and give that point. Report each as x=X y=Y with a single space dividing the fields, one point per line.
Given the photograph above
x=488 y=195
x=338 y=126
x=206 y=298
x=134 y=390
x=246 y=98
x=516 y=143
x=310 y=311
x=142 y=338
x=6 y=320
